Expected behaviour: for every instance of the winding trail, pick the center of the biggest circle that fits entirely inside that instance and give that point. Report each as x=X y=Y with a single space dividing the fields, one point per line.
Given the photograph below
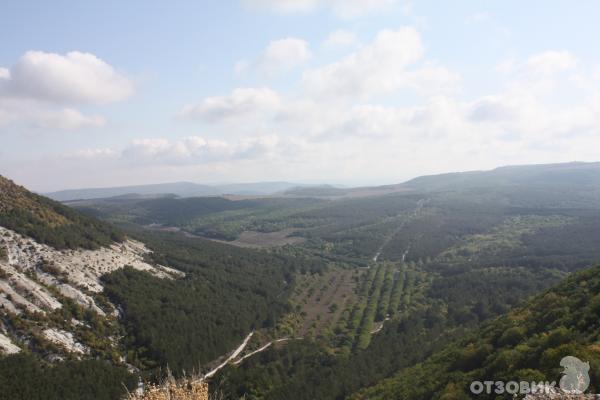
x=232 y=357
x=263 y=348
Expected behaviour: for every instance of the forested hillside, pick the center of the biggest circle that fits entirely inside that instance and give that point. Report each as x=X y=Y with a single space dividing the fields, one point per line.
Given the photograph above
x=526 y=344
x=212 y=217
x=50 y=222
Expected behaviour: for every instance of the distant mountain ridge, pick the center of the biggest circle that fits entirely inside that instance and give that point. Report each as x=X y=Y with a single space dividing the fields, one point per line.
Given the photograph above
x=180 y=189
x=565 y=174
x=538 y=175
x=561 y=174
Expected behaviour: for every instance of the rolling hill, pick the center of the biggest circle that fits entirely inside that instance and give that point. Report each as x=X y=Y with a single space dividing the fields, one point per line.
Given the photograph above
x=576 y=174
x=180 y=189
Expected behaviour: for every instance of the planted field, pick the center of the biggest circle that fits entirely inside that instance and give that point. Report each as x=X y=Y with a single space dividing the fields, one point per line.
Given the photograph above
x=397 y=290
x=265 y=239
x=363 y=337
x=321 y=299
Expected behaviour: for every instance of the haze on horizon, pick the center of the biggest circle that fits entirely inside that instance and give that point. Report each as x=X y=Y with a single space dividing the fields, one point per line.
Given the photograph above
x=355 y=92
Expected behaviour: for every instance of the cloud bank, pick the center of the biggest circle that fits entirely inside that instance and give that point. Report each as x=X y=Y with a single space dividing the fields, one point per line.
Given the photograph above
x=41 y=88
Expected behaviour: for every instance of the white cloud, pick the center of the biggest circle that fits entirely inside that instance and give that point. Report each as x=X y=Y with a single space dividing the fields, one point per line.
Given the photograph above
x=72 y=78
x=39 y=88
x=279 y=57
x=431 y=78
x=191 y=150
x=66 y=119
x=283 y=55
x=379 y=67
x=164 y=151
x=91 y=154
x=550 y=62
x=340 y=39
x=252 y=148
x=37 y=116
x=374 y=68
x=492 y=109
x=369 y=120
x=341 y=8
x=542 y=72
x=241 y=102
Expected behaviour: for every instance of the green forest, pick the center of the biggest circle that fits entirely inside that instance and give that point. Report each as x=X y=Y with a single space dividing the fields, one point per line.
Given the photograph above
x=227 y=292
x=23 y=377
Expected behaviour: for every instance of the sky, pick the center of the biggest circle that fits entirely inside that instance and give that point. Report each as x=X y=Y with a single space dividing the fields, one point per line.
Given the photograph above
x=352 y=92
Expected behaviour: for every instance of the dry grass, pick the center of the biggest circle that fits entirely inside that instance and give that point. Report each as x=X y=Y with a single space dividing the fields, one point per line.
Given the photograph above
x=171 y=389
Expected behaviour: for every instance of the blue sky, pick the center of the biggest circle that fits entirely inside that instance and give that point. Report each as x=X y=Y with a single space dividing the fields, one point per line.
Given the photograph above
x=353 y=92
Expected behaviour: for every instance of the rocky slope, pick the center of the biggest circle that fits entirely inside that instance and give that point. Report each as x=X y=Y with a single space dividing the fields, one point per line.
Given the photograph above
x=51 y=261
x=30 y=267
x=36 y=278
x=7 y=346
